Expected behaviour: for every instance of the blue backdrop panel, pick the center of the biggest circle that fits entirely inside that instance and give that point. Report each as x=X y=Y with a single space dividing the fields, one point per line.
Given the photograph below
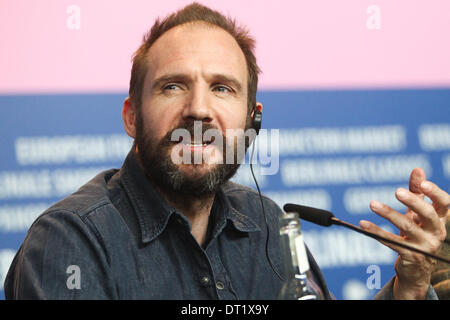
x=331 y=149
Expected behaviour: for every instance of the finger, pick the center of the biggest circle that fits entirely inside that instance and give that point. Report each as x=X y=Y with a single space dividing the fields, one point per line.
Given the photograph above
x=373 y=228
x=415 y=179
x=426 y=212
x=411 y=215
x=440 y=198
x=405 y=253
x=407 y=227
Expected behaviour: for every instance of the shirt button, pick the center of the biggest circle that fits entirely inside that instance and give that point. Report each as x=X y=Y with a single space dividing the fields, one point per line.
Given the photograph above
x=205 y=280
x=220 y=285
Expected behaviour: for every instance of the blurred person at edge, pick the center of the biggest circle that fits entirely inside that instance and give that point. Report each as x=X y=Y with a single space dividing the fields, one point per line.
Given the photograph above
x=440 y=278
x=159 y=230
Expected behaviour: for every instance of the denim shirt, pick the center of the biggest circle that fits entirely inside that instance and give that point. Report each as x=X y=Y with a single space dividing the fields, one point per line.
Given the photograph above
x=116 y=238
x=123 y=241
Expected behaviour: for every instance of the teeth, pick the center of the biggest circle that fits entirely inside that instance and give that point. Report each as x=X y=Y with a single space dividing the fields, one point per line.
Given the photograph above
x=196 y=144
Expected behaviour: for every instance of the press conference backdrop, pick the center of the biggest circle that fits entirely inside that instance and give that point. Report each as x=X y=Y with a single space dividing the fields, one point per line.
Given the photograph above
x=335 y=149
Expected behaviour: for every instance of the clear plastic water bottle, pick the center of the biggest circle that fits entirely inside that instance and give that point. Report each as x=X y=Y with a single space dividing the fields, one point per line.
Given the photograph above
x=299 y=284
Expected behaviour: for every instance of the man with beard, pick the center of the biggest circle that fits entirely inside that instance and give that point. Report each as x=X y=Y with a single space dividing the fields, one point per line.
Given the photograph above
x=165 y=229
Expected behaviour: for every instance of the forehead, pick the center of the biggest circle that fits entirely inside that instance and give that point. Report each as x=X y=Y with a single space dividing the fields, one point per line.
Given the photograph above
x=196 y=47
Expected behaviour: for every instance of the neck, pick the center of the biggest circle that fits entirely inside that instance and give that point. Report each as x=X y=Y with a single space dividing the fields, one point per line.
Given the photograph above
x=196 y=209
x=190 y=206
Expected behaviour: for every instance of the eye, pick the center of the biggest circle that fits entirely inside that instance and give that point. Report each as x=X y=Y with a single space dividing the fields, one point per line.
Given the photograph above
x=171 y=87
x=222 y=89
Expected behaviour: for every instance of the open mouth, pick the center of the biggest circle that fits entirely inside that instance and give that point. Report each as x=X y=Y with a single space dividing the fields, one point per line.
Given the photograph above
x=199 y=151
x=194 y=143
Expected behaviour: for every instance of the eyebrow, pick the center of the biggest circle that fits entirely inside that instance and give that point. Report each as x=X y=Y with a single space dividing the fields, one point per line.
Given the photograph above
x=168 y=78
x=216 y=77
x=228 y=79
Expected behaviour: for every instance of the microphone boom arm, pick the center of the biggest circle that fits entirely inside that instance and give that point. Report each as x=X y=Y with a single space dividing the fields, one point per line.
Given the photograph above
x=338 y=222
x=326 y=219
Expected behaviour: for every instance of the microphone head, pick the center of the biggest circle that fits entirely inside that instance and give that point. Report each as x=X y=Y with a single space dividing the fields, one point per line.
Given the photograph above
x=314 y=215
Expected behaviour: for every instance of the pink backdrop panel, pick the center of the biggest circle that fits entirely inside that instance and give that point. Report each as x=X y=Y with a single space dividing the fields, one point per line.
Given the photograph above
x=300 y=44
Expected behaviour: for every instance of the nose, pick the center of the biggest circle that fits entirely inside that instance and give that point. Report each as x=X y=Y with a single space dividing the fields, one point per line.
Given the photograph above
x=198 y=106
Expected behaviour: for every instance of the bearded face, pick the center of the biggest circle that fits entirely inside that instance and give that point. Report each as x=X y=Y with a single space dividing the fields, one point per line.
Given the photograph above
x=193 y=73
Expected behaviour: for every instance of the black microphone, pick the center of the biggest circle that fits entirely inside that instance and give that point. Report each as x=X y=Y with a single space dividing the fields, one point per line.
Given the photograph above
x=326 y=218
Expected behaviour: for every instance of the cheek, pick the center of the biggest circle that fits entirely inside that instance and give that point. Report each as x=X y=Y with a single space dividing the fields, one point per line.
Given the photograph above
x=156 y=123
x=235 y=120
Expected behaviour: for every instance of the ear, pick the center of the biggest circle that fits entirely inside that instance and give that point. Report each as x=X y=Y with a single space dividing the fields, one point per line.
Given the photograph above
x=129 y=117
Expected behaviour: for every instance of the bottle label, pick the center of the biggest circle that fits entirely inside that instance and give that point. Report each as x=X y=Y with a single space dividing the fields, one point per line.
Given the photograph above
x=302 y=257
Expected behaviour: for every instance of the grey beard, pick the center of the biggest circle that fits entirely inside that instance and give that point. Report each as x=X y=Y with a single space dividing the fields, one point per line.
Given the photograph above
x=171 y=179
x=158 y=166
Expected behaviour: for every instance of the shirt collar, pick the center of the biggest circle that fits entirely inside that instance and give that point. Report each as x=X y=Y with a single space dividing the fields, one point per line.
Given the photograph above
x=153 y=212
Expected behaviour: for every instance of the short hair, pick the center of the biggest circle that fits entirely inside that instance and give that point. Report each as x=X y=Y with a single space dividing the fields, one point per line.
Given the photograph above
x=194 y=13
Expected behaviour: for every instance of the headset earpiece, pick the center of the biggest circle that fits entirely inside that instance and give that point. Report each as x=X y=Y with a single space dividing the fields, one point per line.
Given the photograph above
x=257 y=117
